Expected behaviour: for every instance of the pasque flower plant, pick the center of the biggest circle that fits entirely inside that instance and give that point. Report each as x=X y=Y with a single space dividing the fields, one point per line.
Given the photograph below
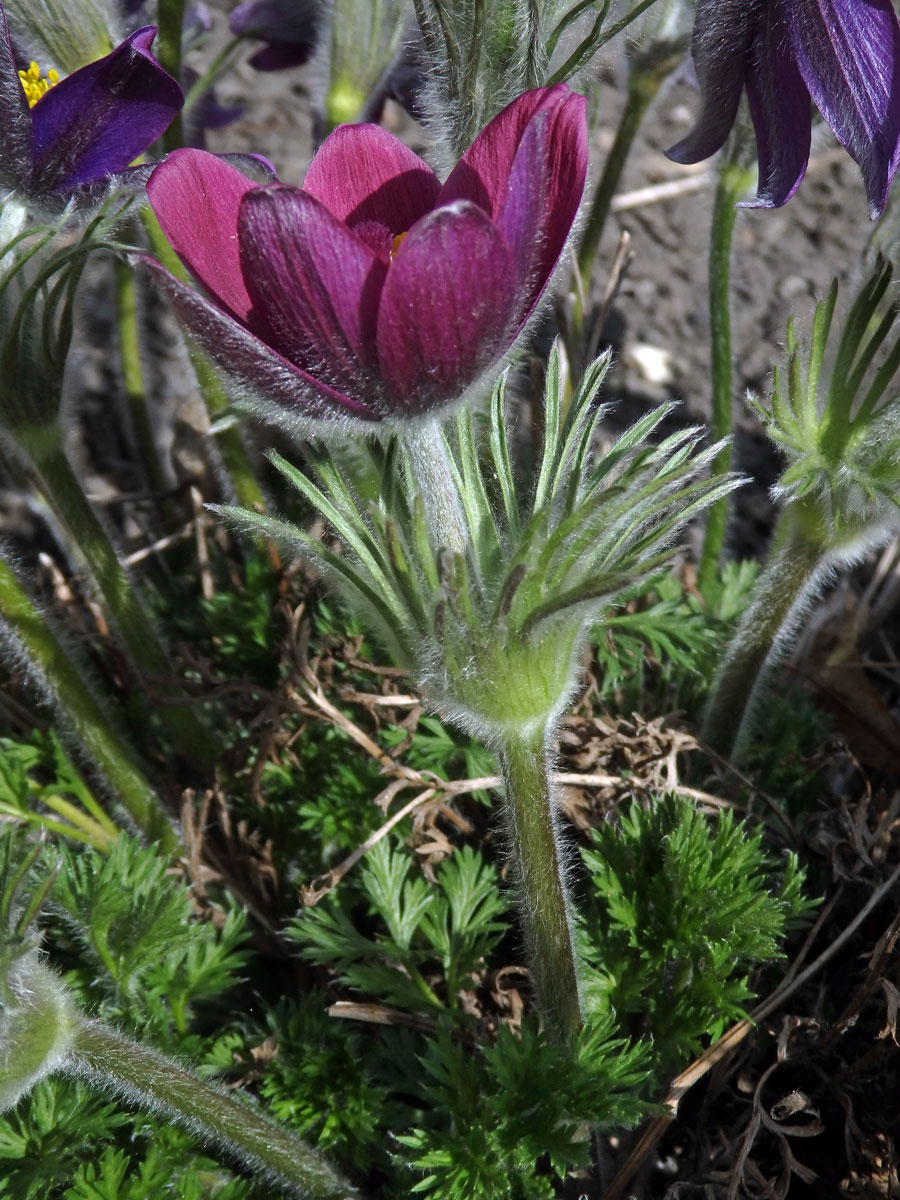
x=843 y=54
x=493 y=632
x=375 y=292
x=376 y=296
x=71 y=139
x=839 y=431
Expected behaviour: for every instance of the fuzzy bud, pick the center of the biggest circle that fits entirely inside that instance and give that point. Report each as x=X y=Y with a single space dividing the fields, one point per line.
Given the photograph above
x=37 y=1026
x=354 y=53
x=65 y=34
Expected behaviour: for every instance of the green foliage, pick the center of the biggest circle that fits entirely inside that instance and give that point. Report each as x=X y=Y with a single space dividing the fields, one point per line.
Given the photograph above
x=36 y=775
x=785 y=738
x=419 y=948
x=446 y=752
x=453 y=926
x=319 y=800
x=324 y=1083
x=65 y=1132
x=681 y=909
x=240 y=621
x=502 y=1118
x=732 y=589
x=60 y=1126
x=139 y=948
x=662 y=650
x=117 y=1176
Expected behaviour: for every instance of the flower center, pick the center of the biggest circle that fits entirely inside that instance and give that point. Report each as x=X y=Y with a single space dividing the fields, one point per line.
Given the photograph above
x=395 y=244
x=34 y=85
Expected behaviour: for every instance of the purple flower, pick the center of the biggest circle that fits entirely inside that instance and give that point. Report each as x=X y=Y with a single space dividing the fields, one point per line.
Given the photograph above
x=84 y=129
x=288 y=27
x=374 y=291
x=844 y=54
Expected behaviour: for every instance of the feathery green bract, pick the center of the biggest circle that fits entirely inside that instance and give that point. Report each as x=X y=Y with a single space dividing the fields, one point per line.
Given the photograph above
x=492 y=636
x=842 y=441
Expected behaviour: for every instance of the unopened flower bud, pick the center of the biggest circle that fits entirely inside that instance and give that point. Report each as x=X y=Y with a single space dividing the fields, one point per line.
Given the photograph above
x=37 y=1026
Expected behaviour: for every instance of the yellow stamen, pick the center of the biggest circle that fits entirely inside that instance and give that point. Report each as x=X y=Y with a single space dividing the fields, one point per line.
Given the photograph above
x=395 y=244
x=34 y=85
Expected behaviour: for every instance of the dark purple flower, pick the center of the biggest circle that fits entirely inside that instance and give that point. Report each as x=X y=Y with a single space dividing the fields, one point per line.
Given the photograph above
x=844 y=54
x=288 y=27
x=374 y=291
x=85 y=129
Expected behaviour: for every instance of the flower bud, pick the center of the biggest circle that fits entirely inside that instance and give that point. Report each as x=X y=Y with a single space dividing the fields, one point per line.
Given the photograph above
x=357 y=45
x=660 y=38
x=841 y=437
x=37 y=1026
x=64 y=34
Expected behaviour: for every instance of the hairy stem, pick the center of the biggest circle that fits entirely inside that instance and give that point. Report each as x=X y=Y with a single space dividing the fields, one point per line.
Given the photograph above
x=779 y=602
x=44 y=452
x=734 y=179
x=80 y=711
x=540 y=876
x=427 y=450
x=133 y=378
x=147 y=1078
x=642 y=88
x=170 y=22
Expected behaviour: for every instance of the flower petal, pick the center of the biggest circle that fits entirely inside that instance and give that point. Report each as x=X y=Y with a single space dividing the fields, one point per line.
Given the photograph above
x=545 y=187
x=724 y=32
x=446 y=308
x=482 y=174
x=245 y=358
x=780 y=108
x=314 y=285
x=97 y=120
x=848 y=52
x=196 y=198
x=362 y=173
x=15 y=118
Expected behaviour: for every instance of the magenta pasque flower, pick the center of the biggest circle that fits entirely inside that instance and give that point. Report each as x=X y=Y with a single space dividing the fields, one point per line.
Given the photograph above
x=842 y=54
x=374 y=291
x=82 y=133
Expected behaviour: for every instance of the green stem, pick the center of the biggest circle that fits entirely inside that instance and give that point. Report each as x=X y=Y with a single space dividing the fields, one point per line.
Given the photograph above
x=779 y=602
x=540 y=875
x=170 y=24
x=133 y=378
x=235 y=460
x=44 y=452
x=427 y=450
x=217 y=67
x=78 y=821
x=80 y=711
x=154 y=1082
x=734 y=180
x=643 y=87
